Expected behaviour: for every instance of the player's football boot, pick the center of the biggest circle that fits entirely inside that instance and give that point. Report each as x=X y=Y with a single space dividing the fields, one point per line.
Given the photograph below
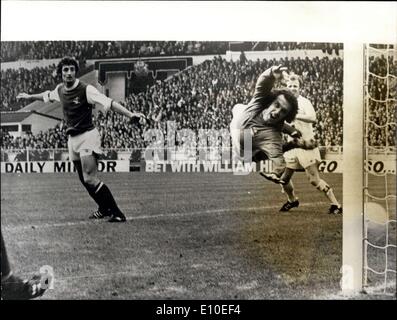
x=271 y=177
x=100 y=214
x=334 y=209
x=14 y=288
x=289 y=205
x=120 y=217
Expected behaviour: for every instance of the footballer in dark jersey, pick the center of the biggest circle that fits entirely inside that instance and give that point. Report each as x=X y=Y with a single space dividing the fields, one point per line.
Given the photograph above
x=84 y=143
x=264 y=120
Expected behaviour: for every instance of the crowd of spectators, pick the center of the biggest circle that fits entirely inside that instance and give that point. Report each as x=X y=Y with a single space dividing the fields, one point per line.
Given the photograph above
x=12 y=81
x=37 y=50
x=382 y=125
x=24 y=80
x=54 y=138
x=202 y=96
x=27 y=50
x=324 y=46
x=382 y=106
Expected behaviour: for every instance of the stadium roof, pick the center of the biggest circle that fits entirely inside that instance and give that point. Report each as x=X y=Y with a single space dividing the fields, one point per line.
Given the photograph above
x=9 y=117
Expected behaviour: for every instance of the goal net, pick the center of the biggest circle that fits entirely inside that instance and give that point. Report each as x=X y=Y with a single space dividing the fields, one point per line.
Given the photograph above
x=380 y=111
x=369 y=169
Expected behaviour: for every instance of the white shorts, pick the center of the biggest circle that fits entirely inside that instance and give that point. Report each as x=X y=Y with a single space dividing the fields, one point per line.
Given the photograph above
x=301 y=159
x=84 y=144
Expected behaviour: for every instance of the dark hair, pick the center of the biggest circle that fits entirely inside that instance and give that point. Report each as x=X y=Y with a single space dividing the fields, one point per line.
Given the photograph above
x=291 y=99
x=67 y=61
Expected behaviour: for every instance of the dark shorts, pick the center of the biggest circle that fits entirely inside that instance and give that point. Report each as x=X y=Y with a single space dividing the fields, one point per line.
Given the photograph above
x=267 y=144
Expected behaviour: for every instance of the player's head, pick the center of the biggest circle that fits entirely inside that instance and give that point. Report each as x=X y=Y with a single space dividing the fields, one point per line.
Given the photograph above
x=68 y=68
x=283 y=107
x=294 y=84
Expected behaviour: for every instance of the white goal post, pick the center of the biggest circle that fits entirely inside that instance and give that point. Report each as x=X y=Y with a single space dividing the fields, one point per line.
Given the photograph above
x=353 y=167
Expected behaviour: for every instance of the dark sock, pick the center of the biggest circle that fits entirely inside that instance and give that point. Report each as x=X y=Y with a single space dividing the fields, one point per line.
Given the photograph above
x=77 y=165
x=101 y=208
x=104 y=198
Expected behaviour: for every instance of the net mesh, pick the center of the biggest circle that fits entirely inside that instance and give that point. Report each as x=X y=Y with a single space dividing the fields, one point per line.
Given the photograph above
x=380 y=169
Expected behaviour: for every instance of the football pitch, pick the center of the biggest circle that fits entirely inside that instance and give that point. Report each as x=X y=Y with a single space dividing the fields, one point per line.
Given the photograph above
x=188 y=236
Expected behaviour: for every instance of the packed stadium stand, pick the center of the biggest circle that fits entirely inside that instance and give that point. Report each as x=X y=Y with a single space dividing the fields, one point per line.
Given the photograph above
x=329 y=48
x=24 y=50
x=380 y=109
x=85 y=50
x=24 y=80
x=200 y=97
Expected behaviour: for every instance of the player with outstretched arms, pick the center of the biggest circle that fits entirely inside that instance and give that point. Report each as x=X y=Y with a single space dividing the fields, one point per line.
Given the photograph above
x=305 y=159
x=264 y=120
x=84 y=143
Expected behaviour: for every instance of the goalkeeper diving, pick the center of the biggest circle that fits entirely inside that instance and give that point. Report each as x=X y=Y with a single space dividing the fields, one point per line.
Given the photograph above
x=263 y=121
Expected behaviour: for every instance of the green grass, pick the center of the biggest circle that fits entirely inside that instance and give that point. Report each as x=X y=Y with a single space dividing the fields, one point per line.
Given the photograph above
x=188 y=236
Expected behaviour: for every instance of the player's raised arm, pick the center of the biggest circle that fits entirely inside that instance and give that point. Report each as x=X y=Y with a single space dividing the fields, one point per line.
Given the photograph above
x=279 y=72
x=117 y=107
x=38 y=96
x=266 y=80
x=95 y=97
x=46 y=96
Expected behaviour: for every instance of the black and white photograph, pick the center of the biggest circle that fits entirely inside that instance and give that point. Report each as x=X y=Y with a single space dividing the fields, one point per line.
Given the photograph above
x=223 y=151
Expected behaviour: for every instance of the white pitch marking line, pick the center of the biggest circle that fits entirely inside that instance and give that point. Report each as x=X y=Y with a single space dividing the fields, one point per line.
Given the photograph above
x=144 y=217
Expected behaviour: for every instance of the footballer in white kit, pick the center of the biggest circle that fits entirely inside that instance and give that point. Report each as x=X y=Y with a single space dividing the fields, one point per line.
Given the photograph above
x=302 y=158
x=305 y=159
